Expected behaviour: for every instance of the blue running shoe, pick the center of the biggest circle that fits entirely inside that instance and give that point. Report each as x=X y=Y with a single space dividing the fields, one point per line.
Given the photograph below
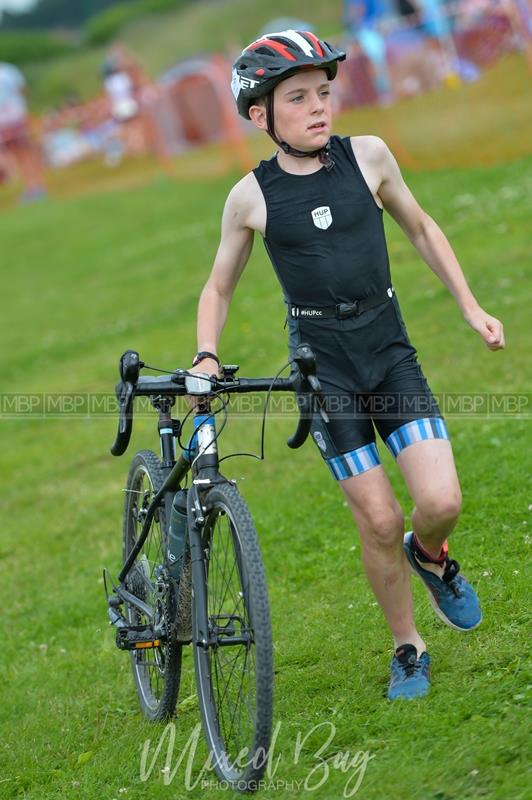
x=410 y=674
x=453 y=599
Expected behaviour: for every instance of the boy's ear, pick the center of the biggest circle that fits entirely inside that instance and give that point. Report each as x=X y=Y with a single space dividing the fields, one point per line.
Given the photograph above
x=257 y=115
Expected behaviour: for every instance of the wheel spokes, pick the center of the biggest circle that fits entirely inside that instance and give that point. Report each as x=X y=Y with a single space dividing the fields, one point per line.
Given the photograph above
x=149 y=663
x=232 y=668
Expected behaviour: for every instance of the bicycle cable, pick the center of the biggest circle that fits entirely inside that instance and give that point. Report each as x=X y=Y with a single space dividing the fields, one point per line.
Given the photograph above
x=156 y=369
x=263 y=426
x=223 y=407
x=210 y=413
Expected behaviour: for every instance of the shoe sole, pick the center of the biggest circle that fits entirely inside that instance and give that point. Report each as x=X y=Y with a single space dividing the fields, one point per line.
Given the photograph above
x=406 y=698
x=437 y=610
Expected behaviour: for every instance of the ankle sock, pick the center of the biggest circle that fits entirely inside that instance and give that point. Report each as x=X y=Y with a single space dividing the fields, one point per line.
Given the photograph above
x=424 y=556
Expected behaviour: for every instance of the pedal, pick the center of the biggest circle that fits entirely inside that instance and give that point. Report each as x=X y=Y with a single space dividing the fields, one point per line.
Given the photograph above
x=140 y=637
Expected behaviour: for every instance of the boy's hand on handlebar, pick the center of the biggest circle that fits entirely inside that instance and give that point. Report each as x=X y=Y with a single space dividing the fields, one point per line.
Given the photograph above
x=208 y=366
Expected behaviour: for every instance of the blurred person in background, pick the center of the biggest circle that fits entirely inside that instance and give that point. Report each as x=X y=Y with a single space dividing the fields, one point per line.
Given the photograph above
x=20 y=153
x=119 y=88
x=124 y=82
x=362 y=19
x=431 y=52
x=132 y=97
x=439 y=19
x=435 y=17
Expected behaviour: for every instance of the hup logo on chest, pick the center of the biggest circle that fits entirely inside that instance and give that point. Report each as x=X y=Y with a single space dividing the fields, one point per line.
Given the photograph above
x=322 y=217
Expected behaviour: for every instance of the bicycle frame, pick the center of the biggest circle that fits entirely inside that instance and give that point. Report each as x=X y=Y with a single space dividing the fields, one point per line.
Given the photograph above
x=204 y=467
x=200 y=604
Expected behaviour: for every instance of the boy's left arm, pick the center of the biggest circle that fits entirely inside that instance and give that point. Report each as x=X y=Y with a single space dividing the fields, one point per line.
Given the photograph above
x=432 y=244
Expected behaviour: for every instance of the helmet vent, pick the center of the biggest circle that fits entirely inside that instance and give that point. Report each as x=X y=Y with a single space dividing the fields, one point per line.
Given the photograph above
x=265 y=51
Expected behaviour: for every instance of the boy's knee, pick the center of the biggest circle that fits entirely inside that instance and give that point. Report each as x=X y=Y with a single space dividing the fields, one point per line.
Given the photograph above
x=442 y=507
x=385 y=525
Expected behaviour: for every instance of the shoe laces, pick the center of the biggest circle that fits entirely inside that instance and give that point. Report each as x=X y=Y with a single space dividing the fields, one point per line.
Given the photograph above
x=408 y=661
x=450 y=575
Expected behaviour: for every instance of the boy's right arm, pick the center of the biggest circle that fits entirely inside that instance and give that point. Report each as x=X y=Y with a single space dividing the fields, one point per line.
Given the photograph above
x=233 y=253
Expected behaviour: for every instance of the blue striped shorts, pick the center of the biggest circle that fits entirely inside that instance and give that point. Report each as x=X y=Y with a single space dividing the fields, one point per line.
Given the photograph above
x=354 y=462
x=402 y=410
x=373 y=383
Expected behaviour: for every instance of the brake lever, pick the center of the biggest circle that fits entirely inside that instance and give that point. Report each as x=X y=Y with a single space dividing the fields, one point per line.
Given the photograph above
x=315 y=385
x=307 y=378
x=124 y=391
x=129 y=367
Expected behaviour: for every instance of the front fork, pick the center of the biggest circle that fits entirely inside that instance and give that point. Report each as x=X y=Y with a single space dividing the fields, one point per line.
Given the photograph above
x=196 y=522
x=204 y=448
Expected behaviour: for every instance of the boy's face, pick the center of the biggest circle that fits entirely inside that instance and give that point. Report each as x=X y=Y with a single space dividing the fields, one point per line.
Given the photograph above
x=302 y=110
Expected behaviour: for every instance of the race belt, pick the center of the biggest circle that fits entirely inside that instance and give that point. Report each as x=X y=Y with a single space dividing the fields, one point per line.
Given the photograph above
x=340 y=310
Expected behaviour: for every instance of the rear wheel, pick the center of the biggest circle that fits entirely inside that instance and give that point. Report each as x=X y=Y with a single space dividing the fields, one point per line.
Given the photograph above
x=234 y=671
x=156 y=670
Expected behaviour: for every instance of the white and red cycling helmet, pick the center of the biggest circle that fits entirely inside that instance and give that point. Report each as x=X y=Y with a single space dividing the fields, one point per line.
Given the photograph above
x=272 y=58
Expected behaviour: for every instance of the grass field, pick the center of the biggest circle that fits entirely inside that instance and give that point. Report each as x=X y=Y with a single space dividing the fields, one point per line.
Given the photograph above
x=122 y=266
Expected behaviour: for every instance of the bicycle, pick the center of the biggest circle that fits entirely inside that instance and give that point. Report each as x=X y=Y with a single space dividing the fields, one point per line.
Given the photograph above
x=216 y=597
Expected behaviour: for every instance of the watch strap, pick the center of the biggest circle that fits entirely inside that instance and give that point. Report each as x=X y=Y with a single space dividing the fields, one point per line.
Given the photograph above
x=202 y=354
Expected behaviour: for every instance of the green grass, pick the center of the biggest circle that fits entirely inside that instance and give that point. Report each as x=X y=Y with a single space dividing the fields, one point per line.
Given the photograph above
x=87 y=278
x=457 y=127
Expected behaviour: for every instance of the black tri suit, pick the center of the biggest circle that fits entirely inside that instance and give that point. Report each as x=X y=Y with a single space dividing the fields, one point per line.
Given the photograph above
x=325 y=238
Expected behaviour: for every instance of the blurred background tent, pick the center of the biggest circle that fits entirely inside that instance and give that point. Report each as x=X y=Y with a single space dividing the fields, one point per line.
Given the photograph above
x=173 y=59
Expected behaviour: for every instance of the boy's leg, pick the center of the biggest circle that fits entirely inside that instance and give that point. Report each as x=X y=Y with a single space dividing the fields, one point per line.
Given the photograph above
x=430 y=475
x=416 y=435
x=380 y=522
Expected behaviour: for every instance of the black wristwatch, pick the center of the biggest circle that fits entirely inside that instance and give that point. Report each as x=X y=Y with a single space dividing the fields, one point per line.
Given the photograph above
x=205 y=354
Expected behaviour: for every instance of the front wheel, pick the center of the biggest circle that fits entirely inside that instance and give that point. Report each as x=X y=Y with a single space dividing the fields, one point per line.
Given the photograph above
x=156 y=670
x=234 y=670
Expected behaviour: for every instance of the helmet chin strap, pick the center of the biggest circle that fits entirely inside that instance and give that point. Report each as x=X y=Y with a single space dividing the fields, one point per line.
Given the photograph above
x=322 y=154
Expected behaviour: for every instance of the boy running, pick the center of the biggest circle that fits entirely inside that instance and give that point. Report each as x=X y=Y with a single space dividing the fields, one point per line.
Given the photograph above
x=318 y=204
